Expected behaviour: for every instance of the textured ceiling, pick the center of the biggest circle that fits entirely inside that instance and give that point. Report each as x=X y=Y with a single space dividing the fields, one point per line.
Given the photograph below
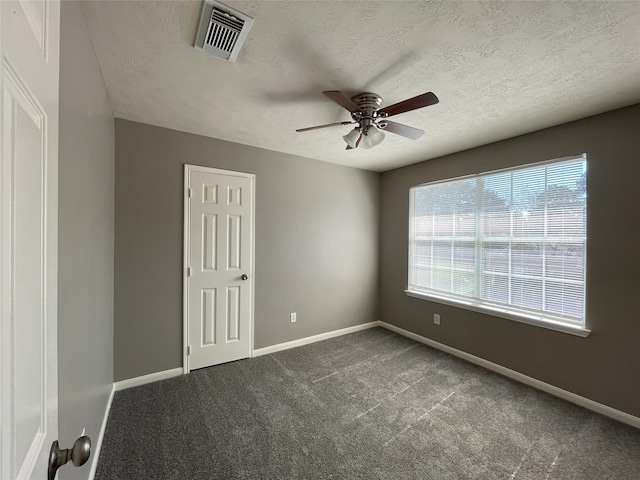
x=500 y=69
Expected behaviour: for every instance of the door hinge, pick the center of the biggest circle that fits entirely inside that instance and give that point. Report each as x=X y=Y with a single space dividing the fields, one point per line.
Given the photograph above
x=189 y=193
x=188 y=271
x=188 y=350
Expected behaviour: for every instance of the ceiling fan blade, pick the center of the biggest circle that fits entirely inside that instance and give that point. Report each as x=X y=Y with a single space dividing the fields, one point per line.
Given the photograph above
x=414 y=103
x=323 y=126
x=342 y=100
x=404 y=130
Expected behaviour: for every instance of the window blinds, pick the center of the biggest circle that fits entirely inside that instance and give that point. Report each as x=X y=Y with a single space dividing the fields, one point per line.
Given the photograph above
x=512 y=240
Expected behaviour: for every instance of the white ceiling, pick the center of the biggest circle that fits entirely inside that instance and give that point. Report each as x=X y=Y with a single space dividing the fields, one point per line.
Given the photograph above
x=500 y=69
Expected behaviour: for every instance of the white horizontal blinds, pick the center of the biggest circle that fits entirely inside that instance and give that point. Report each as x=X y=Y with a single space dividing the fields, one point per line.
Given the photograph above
x=512 y=240
x=443 y=244
x=533 y=235
x=565 y=246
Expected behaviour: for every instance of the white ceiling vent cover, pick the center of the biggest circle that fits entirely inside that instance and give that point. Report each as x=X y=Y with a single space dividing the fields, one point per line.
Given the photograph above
x=222 y=30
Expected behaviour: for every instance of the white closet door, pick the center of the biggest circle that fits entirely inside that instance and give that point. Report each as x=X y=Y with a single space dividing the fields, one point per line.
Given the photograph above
x=220 y=267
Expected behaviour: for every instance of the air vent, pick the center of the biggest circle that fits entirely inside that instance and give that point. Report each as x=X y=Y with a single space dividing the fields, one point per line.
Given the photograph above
x=222 y=30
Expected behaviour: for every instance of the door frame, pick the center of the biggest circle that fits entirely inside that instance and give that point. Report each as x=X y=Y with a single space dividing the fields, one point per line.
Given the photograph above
x=187 y=251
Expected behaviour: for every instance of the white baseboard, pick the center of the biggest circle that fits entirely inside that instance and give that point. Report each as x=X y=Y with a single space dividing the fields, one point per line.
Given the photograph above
x=103 y=427
x=174 y=372
x=122 y=385
x=532 y=382
x=152 y=377
x=314 y=338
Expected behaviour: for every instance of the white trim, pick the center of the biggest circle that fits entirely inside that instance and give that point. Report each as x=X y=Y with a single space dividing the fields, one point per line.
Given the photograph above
x=185 y=277
x=185 y=248
x=252 y=276
x=144 y=379
x=532 y=382
x=536 y=322
x=314 y=338
x=103 y=428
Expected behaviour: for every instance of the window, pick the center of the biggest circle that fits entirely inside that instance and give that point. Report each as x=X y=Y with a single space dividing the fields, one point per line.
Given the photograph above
x=511 y=243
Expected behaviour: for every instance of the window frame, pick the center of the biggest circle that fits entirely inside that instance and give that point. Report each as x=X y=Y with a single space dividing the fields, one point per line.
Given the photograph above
x=524 y=315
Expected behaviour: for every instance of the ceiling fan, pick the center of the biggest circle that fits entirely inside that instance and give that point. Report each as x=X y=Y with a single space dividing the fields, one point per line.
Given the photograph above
x=367 y=111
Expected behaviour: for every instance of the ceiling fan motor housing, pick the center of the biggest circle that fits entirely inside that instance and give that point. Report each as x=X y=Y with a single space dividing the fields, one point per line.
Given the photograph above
x=367 y=100
x=369 y=104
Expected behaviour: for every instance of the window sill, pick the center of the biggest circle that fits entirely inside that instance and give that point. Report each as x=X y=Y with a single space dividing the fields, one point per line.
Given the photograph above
x=549 y=324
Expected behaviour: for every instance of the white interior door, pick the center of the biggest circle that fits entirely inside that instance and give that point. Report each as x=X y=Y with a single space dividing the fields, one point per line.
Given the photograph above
x=29 y=56
x=219 y=221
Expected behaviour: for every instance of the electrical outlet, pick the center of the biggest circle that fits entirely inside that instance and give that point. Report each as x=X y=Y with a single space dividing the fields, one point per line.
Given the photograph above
x=436 y=319
x=293 y=317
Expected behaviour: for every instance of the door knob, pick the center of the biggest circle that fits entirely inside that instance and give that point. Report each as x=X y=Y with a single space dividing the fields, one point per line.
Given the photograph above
x=244 y=276
x=78 y=454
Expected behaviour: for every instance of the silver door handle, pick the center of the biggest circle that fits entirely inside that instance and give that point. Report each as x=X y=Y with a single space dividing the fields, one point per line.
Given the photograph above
x=244 y=276
x=78 y=454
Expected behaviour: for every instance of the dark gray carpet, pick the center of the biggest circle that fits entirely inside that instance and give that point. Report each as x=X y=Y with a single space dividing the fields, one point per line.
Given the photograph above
x=371 y=405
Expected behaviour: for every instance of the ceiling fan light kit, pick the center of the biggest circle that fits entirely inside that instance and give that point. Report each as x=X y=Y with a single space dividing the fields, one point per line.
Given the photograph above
x=352 y=137
x=367 y=112
x=371 y=137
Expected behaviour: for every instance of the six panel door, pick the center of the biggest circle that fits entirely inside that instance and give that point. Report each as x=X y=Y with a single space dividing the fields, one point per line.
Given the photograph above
x=220 y=265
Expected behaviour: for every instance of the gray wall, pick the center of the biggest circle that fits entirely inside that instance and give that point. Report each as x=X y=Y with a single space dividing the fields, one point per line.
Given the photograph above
x=316 y=243
x=86 y=229
x=602 y=367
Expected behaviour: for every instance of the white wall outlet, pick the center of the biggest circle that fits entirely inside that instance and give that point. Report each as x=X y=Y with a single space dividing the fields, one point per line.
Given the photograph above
x=436 y=319
x=293 y=317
